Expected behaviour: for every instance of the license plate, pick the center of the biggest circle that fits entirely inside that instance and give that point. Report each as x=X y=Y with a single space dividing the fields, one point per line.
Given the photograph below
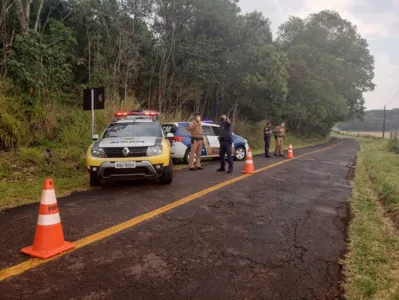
x=125 y=165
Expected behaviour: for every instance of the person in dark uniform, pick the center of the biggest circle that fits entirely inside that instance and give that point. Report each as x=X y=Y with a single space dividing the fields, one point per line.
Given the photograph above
x=267 y=133
x=225 y=140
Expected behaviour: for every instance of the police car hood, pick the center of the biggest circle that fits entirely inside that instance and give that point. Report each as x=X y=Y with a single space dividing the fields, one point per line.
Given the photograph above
x=129 y=142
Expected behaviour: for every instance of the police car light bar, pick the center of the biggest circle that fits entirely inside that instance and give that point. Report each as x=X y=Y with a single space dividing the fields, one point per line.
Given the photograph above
x=207 y=121
x=120 y=114
x=143 y=113
x=137 y=113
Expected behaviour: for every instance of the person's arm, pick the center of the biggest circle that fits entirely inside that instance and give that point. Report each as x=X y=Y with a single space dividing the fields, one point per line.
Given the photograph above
x=192 y=125
x=227 y=121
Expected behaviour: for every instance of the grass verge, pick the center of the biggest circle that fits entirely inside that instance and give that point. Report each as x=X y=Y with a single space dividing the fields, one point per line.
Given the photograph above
x=372 y=262
x=382 y=166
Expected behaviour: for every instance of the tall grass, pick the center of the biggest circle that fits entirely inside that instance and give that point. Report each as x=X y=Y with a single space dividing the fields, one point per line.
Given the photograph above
x=372 y=264
x=382 y=165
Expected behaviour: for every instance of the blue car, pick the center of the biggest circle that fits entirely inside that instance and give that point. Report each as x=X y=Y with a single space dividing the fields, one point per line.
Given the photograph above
x=180 y=138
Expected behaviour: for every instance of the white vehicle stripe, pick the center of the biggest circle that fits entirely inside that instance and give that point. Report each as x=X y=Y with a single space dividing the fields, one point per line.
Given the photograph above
x=48 y=197
x=46 y=220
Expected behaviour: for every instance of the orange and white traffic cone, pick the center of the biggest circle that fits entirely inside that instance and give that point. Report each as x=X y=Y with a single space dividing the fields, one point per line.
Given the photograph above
x=290 y=154
x=249 y=164
x=49 y=237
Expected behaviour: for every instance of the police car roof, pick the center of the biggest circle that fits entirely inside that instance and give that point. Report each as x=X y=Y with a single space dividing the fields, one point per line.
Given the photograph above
x=134 y=121
x=186 y=123
x=203 y=123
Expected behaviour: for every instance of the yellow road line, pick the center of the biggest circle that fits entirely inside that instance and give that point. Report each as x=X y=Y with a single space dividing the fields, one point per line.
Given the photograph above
x=34 y=262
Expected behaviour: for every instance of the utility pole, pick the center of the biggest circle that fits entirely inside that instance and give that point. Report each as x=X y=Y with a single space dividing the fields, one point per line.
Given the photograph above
x=383 y=126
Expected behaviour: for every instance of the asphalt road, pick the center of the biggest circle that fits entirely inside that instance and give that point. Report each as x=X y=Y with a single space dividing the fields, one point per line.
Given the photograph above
x=277 y=234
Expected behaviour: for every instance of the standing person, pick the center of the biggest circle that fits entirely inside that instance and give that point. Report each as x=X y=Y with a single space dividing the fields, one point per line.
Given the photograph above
x=197 y=140
x=280 y=131
x=225 y=140
x=267 y=133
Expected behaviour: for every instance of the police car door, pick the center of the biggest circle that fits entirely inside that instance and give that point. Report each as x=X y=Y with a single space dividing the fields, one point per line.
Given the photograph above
x=213 y=140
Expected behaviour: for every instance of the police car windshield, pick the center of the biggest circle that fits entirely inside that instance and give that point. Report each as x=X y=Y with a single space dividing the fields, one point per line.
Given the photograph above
x=151 y=129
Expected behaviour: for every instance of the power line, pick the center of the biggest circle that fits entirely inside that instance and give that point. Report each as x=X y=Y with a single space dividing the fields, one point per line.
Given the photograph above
x=397 y=93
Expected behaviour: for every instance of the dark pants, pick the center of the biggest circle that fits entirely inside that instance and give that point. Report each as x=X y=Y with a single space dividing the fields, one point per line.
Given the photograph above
x=225 y=148
x=267 y=147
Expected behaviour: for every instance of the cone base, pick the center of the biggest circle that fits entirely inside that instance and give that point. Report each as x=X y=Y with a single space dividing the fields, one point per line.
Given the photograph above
x=248 y=172
x=47 y=254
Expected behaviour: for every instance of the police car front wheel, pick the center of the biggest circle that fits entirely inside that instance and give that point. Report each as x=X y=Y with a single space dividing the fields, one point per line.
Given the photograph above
x=94 y=180
x=240 y=153
x=167 y=176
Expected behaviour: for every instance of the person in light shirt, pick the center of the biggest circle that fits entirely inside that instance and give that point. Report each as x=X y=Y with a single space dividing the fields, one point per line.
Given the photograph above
x=280 y=132
x=197 y=141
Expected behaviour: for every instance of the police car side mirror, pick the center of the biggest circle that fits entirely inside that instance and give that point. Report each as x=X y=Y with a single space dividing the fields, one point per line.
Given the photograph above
x=95 y=137
x=169 y=135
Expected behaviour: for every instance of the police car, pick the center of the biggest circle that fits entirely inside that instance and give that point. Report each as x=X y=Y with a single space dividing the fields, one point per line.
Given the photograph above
x=180 y=138
x=132 y=146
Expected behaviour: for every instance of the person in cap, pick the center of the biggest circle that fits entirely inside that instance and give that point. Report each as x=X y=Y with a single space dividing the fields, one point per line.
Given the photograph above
x=267 y=133
x=280 y=132
x=225 y=140
x=197 y=141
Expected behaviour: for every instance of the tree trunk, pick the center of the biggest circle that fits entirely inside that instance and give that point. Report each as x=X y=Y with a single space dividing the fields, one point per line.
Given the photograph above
x=152 y=75
x=89 y=50
x=126 y=82
x=27 y=12
x=38 y=15
x=23 y=12
x=21 y=16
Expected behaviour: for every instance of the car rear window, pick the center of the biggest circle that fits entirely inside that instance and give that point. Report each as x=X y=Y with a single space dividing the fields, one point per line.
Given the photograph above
x=183 y=129
x=169 y=128
x=207 y=130
x=216 y=130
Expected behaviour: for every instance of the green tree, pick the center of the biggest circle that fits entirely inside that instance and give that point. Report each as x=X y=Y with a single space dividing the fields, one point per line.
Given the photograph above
x=335 y=51
x=43 y=63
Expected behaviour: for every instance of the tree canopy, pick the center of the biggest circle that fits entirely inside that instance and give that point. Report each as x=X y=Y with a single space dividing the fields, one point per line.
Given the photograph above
x=183 y=55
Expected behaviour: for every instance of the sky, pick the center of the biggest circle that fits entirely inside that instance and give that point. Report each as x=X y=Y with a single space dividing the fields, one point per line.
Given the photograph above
x=376 y=21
